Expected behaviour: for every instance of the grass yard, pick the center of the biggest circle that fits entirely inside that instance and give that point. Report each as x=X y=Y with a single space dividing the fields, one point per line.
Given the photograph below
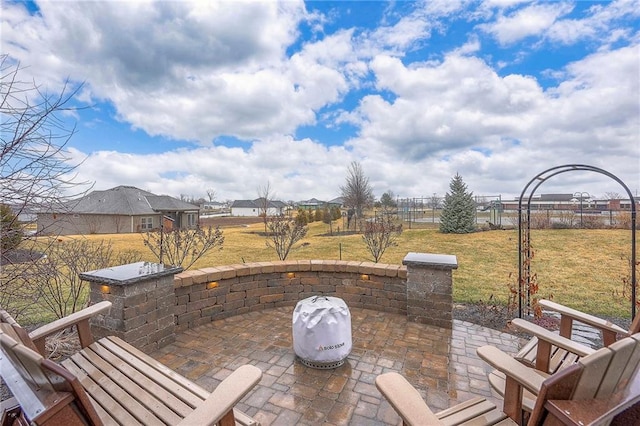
x=581 y=268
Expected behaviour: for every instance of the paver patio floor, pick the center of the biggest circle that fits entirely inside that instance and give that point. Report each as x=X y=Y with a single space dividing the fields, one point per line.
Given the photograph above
x=442 y=364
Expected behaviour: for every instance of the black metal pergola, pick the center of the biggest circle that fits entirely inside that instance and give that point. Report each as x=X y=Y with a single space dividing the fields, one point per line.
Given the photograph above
x=524 y=232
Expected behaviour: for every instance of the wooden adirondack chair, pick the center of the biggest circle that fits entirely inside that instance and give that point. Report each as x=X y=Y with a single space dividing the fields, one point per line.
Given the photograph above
x=593 y=391
x=110 y=382
x=554 y=357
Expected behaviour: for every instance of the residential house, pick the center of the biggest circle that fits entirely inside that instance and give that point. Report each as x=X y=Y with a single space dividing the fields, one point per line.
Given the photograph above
x=214 y=207
x=119 y=210
x=256 y=207
x=314 y=204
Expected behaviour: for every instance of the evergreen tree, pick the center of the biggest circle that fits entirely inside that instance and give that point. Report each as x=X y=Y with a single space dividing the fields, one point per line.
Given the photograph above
x=10 y=230
x=458 y=210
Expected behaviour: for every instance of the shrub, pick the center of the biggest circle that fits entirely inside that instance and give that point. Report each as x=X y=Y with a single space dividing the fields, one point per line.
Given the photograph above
x=12 y=232
x=379 y=234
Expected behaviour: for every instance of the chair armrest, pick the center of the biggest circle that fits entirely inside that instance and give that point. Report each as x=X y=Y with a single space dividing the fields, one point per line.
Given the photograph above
x=80 y=319
x=528 y=377
x=591 y=320
x=225 y=396
x=553 y=338
x=405 y=400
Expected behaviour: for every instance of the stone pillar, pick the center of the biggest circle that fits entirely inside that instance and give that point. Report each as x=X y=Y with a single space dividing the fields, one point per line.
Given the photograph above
x=430 y=288
x=142 y=297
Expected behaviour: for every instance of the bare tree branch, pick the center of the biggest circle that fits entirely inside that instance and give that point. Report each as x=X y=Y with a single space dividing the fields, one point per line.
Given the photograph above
x=357 y=192
x=183 y=247
x=36 y=173
x=381 y=233
x=283 y=233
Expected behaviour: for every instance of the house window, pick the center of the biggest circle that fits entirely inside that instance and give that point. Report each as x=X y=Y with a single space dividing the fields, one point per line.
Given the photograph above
x=191 y=220
x=146 y=223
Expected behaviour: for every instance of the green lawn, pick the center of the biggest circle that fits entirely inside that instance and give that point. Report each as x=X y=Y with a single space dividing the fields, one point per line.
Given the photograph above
x=580 y=268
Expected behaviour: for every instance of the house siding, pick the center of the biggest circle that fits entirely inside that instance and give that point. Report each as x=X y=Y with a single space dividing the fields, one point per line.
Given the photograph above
x=253 y=212
x=82 y=224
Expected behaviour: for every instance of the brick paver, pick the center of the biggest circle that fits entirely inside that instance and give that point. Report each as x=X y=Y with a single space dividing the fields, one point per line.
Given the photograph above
x=440 y=363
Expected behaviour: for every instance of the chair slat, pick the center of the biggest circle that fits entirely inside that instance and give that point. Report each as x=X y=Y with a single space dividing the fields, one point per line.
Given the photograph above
x=481 y=409
x=143 y=363
x=146 y=382
x=128 y=352
x=631 y=369
x=129 y=403
x=149 y=400
x=116 y=412
x=595 y=368
x=622 y=354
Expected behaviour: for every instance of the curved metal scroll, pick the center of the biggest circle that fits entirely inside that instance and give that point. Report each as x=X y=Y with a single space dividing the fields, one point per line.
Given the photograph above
x=524 y=235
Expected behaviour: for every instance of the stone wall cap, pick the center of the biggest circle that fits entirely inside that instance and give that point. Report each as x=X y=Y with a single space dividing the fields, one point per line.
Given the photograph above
x=447 y=261
x=129 y=274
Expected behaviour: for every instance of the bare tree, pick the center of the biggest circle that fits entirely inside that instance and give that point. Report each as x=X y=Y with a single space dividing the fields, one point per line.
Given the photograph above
x=380 y=233
x=183 y=247
x=211 y=193
x=283 y=233
x=58 y=274
x=55 y=278
x=357 y=192
x=612 y=195
x=435 y=201
x=36 y=172
x=265 y=196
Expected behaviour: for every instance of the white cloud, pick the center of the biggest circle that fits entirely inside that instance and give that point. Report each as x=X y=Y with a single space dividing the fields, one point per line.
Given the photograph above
x=459 y=115
x=533 y=20
x=597 y=23
x=169 y=64
x=197 y=71
x=308 y=167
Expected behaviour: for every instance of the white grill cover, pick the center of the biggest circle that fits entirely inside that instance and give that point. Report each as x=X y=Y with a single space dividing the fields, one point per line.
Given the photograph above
x=322 y=329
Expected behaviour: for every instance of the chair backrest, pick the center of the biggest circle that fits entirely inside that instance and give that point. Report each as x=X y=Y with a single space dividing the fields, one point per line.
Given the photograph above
x=608 y=378
x=45 y=391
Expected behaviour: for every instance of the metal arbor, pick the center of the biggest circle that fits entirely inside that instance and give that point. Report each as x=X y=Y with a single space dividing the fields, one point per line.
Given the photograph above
x=524 y=230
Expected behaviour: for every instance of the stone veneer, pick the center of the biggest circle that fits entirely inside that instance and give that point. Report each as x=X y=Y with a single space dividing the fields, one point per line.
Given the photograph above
x=152 y=302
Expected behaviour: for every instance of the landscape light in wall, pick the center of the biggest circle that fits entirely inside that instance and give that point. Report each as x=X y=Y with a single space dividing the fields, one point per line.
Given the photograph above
x=364 y=277
x=291 y=274
x=212 y=284
x=105 y=289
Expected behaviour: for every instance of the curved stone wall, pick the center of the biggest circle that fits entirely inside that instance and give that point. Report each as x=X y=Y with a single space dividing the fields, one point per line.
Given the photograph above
x=207 y=294
x=151 y=302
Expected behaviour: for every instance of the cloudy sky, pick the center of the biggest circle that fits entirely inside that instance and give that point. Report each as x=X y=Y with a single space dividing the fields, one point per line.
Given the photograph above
x=184 y=97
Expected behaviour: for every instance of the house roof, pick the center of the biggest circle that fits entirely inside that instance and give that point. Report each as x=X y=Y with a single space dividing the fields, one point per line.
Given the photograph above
x=312 y=202
x=316 y=202
x=257 y=204
x=129 y=201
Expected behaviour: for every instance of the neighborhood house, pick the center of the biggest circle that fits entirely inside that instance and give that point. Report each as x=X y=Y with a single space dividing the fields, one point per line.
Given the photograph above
x=119 y=210
x=256 y=207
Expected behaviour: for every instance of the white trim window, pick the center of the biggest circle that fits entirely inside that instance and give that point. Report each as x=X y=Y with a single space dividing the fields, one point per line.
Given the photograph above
x=191 y=220
x=146 y=223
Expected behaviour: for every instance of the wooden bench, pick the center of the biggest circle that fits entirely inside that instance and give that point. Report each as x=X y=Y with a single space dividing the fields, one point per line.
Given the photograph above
x=108 y=382
x=596 y=390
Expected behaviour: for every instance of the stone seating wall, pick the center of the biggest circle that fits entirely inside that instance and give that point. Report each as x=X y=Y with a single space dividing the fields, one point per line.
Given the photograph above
x=152 y=302
x=208 y=294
